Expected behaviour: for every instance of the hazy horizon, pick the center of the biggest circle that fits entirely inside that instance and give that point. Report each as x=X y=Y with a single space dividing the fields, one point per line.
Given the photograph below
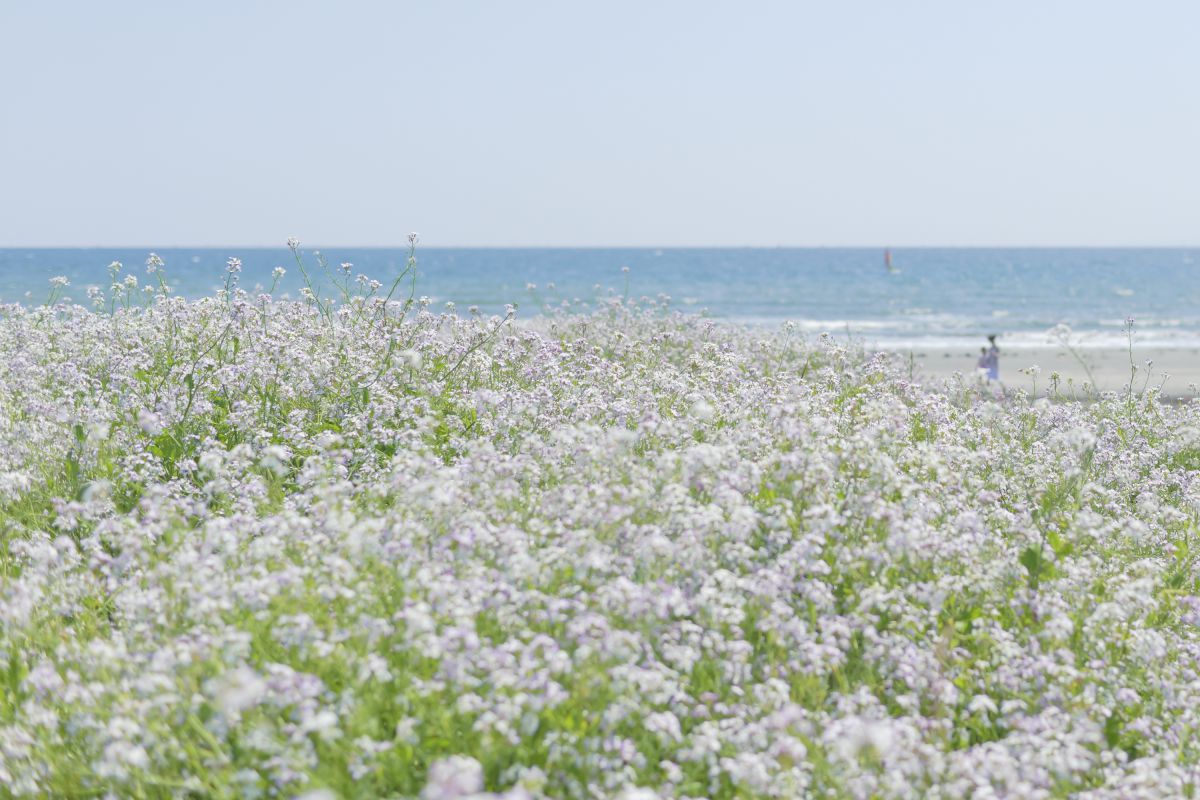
x=425 y=246
x=537 y=124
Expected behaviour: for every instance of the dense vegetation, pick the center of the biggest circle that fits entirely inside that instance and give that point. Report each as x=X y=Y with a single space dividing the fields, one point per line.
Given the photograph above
x=261 y=547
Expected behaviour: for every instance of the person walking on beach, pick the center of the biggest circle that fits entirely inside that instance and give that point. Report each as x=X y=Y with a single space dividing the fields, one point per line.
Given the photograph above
x=993 y=358
x=981 y=366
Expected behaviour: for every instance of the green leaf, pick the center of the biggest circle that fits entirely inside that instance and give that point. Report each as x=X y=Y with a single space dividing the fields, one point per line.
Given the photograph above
x=1036 y=564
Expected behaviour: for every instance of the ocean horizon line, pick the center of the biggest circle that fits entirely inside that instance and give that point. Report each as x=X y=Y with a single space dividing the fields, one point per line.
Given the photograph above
x=630 y=247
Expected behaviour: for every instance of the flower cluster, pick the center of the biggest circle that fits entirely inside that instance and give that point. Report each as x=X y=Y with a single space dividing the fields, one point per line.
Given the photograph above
x=259 y=548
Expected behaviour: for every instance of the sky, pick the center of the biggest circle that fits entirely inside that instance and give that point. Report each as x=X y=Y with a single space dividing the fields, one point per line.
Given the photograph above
x=600 y=124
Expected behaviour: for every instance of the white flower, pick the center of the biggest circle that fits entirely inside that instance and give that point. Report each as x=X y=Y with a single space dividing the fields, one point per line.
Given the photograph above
x=96 y=490
x=453 y=777
x=149 y=422
x=44 y=679
x=324 y=724
x=406 y=730
x=1127 y=697
x=665 y=724
x=1061 y=332
x=275 y=458
x=981 y=704
x=317 y=794
x=238 y=690
x=858 y=735
x=638 y=793
x=412 y=358
x=119 y=756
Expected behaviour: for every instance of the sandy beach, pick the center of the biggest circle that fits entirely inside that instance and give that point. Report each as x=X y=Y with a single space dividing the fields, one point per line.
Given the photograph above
x=1176 y=369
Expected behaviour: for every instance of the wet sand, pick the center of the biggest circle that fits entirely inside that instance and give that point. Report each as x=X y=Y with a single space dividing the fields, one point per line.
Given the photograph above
x=1176 y=370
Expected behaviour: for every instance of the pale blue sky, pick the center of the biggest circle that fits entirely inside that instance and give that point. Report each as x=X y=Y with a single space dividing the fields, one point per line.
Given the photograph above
x=613 y=123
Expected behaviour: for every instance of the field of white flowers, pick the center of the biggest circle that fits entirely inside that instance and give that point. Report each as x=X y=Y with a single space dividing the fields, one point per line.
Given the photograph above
x=254 y=547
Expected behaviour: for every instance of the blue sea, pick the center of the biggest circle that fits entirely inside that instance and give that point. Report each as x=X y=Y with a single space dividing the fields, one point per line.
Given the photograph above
x=935 y=298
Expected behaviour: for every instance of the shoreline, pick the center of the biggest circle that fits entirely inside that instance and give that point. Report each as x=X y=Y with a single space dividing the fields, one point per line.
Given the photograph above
x=1177 y=370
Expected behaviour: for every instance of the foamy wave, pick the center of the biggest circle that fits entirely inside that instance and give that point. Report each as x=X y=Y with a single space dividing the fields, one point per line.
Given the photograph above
x=1181 y=340
x=968 y=335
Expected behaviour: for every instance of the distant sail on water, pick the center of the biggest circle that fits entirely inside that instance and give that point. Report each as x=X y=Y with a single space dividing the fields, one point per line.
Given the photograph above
x=887 y=260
